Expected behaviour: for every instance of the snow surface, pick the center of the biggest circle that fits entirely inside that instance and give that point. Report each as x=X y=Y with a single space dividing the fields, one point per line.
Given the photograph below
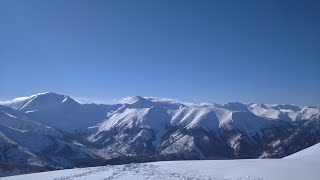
x=260 y=169
x=302 y=165
x=311 y=154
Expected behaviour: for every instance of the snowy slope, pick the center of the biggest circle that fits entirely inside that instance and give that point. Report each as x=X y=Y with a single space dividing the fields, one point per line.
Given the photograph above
x=142 y=129
x=24 y=142
x=209 y=169
x=311 y=154
x=40 y=101
x=284 y=112
x=15 y=120
x=152 y=127
x=60 y=111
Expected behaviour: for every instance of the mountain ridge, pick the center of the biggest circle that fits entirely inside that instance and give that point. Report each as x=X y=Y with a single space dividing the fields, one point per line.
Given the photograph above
x=128 y=100
x=148 y=129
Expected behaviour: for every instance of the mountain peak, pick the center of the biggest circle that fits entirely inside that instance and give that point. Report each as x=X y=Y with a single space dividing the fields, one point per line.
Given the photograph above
x=133 y=99
x=39 y=101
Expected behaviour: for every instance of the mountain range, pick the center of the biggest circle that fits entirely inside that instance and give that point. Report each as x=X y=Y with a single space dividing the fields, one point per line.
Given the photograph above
x=52 y=131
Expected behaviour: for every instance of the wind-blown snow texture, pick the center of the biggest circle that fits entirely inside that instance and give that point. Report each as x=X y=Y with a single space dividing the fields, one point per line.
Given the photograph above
x=52 y=131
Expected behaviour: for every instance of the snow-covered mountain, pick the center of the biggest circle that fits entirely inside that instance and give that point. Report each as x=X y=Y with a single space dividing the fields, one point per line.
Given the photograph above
x=60 y=111
x=28 y=143
x=234 y=130
x=41 y=101
x=139 y=129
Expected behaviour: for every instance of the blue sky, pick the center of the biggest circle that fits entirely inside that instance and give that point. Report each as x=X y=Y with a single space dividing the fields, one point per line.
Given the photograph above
x=198 y=51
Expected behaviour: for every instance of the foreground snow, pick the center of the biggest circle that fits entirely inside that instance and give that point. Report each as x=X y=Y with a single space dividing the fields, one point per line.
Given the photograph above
x=302 y=165
x=310 y=154
x=259 y=169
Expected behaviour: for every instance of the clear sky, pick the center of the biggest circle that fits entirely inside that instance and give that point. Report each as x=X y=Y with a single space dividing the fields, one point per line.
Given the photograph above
x=200 y=51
